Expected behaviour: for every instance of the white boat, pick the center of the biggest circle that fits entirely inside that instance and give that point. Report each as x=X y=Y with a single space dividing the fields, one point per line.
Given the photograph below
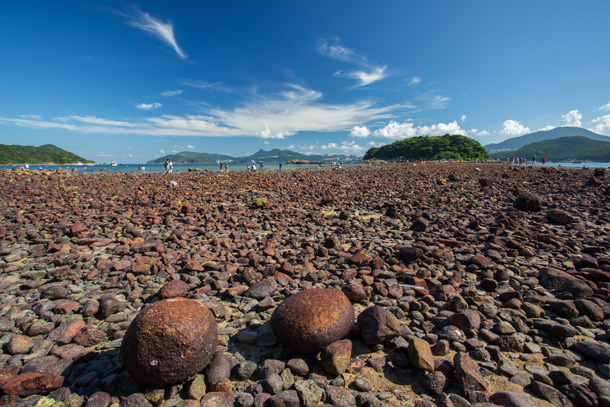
x=113 y=163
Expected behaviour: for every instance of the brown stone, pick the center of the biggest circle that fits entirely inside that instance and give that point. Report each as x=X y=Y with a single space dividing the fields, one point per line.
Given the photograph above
x=32 y=383
x=420 y=354
x=173 y=289
x=472 y=383
x=377 y=325
x=335 y=358
x=312 y=319
x=169 y=341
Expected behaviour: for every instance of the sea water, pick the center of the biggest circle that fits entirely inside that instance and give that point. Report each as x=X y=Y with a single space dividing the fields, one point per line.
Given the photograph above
x=271 y=166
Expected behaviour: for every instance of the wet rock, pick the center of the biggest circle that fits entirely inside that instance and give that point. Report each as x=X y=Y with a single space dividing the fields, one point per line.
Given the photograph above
x=312 y=319
x=169 y=341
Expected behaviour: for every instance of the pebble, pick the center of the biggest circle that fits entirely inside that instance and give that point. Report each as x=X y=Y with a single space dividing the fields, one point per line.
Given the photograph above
x=505 y=280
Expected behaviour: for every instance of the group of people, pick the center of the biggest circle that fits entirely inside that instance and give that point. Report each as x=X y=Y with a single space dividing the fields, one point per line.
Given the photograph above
x=523 y=160
x=169 y=166
x=221 y=168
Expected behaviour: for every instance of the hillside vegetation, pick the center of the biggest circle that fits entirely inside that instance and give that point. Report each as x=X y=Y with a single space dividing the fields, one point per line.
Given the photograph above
x=275 y=155
x=558 y=132
x=46 y=154
x=453 y=147
x=564 y=149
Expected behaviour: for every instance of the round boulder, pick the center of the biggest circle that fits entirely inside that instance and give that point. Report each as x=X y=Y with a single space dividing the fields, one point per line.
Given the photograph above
x=312 y=319
x=169 y=341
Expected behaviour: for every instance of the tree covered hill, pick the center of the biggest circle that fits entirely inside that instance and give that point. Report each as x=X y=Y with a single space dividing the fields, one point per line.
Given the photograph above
x=275 y=155
x=454 y=147
x=564 y=149
x=558 y=132
x=46 y=154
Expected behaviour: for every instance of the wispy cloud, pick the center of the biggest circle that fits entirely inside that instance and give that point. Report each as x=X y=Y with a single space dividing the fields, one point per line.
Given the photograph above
x=605 y=107
x=172 y=93
x=156 y=28
x=366 y=78
x=148 y=106
x=372 y=72
x=296 y=109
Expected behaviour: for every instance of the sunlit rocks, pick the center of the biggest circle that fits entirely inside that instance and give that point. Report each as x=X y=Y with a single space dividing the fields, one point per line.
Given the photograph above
x=312 y=319
x=169 y=341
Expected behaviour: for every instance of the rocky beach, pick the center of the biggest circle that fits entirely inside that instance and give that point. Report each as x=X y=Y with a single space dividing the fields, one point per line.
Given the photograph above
x=444 y=284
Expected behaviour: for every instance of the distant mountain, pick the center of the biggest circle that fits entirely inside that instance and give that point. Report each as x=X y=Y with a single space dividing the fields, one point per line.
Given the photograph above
x=558 y=132
x=46 y=154
x=275 y=155
x=564 y=149
x=189 y=157
x=454 y=147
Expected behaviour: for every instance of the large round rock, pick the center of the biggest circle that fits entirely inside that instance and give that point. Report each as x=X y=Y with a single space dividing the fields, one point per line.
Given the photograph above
x=169 y=341
x=312 y=319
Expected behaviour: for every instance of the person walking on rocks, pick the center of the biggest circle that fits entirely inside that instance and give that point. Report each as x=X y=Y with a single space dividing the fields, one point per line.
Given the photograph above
x=166 y=166
x=543 y=160
x=534 y=160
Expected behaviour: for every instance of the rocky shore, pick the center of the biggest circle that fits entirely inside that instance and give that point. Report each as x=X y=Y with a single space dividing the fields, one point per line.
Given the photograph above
x=470 y=284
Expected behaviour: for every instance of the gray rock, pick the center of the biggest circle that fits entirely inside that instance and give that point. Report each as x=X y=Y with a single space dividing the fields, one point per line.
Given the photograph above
x=512 y=399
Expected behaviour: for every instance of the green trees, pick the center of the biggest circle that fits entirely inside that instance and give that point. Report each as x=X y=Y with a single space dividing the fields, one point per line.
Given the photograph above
x=447 y=147
x=48 y=153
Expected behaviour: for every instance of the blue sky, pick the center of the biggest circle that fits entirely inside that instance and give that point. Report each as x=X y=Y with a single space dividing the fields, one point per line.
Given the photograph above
x=132 y=81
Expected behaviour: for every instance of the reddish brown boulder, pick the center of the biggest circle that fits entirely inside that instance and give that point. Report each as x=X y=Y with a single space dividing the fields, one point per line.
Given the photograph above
x=169 y=341
x=173 y=289
x=32 y=383
x=312 y=319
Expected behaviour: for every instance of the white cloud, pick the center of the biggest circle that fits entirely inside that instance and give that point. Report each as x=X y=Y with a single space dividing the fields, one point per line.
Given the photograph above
x=398 y=131
x=602 y=125
x=190 y=147
x=463 y=118
x=478 y=133
x=336 y=51
x=156 y=28
x=148 y=106
x=349 y=147
x=513 y=128
x=605 y=107
x=366 y=78
x=266 y=142
x=573 y=118
x=547 y=128
x=172 y=93
x=373 y=72
x=415 y=80
x=294 y=110
x=162 y=151
x=358 y=131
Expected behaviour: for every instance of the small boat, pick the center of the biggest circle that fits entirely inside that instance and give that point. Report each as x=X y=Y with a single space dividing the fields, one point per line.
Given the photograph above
x=113 y=163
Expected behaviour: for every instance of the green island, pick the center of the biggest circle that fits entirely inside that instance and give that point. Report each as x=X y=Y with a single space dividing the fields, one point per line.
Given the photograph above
x=447 y=147
x=46 y=154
